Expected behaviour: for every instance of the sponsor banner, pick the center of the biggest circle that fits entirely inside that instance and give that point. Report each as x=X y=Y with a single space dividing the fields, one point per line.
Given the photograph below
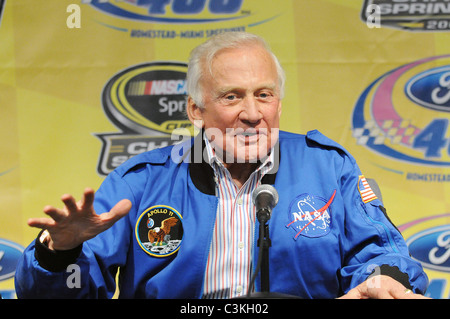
x=87 y=84
x=408 y=15
x=428 y=240
x=147 y=103
x=407 y=116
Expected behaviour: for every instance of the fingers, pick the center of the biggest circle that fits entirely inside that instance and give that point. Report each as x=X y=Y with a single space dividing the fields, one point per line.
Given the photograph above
x=88 y=199
x=407 y=294
x=43 y=223
x=70 y=202
x=58 y=215
x=72 y=205
x=86 y=204
x=382 y=288
x=55 y=213
x=353 y=294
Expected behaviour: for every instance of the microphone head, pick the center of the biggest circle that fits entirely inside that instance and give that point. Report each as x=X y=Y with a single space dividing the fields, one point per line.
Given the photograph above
x=265 y=197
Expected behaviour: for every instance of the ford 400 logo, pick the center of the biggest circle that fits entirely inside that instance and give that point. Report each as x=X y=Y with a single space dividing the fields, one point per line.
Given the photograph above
x=431 y=89
x=432 y=248
x=10 y=253
x=405 y=113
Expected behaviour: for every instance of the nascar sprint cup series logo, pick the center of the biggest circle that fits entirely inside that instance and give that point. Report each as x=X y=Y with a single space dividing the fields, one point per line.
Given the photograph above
x=410 y=15
x=404 y=115
x=147 y=103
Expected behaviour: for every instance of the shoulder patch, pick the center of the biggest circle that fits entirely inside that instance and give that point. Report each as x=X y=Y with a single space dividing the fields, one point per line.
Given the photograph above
x=367 y=194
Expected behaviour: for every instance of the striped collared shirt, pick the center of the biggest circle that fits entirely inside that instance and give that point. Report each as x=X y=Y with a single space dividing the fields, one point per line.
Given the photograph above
x=229 y=266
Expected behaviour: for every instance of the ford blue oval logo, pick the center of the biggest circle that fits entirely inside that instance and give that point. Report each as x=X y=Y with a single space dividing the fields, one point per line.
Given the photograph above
x=10 y=253
x=432 y=248
x=431 y=89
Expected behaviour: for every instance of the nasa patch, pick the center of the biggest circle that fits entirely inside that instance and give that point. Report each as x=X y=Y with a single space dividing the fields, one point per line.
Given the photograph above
x=310 y=215
x=159 y=231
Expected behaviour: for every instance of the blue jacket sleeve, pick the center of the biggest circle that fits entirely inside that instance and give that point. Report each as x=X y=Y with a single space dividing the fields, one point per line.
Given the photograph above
x=86 y=272
x=374 y=245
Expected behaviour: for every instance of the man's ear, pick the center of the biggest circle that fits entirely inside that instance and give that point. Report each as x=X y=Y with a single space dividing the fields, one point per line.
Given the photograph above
x=194 y=113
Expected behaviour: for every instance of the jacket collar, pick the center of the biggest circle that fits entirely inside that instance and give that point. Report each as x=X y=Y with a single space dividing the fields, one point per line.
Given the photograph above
x=202 y=174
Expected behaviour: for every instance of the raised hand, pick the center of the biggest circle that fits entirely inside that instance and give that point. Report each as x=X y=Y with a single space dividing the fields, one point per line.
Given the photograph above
x=77 y=221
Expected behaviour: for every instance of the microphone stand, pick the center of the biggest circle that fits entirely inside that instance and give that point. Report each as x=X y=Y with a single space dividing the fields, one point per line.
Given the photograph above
x=264 y=243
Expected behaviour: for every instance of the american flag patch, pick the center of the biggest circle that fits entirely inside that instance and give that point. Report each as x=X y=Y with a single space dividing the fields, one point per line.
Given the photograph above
x=365 y=191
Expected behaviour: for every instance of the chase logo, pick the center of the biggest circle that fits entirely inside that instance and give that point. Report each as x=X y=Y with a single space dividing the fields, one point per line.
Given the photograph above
x=170 y=11
x=10 y=253
x=404 y=114
x=432 y=248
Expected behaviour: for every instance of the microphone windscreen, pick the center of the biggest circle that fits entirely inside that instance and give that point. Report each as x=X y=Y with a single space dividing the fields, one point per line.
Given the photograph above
x=263 y=191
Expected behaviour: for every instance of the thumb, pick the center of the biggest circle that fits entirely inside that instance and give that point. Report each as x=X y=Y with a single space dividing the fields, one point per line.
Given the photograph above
x=117 y=212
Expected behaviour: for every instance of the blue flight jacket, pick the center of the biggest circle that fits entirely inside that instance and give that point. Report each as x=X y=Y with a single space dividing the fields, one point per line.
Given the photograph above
x=327 y=234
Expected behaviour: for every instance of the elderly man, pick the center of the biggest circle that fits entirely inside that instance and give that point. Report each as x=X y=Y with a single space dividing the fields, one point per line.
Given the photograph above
x=179 y=221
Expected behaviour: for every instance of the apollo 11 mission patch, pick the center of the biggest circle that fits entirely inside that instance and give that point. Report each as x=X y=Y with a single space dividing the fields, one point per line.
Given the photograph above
x=159 y=231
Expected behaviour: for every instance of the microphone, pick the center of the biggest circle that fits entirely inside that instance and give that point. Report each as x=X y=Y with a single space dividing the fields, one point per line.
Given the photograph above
x=265 y=198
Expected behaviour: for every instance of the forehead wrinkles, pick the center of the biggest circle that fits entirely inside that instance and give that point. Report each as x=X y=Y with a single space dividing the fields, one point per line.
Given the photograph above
x=252 y=61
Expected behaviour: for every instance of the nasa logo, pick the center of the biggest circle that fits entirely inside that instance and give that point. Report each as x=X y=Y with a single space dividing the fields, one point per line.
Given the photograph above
x=310 y=215
x=432 y=248
x=159 y=231
x=10 y=253
x=404 y=113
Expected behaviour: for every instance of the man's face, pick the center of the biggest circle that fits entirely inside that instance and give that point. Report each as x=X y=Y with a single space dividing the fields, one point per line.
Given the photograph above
x=242 y=105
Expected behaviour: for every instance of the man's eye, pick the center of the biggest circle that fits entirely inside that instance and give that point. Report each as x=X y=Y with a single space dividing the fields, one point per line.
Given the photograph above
x=265 y=95
x=230 y=97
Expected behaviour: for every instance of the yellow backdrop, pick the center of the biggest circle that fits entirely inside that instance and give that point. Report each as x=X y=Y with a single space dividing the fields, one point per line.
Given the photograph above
x=372 y=75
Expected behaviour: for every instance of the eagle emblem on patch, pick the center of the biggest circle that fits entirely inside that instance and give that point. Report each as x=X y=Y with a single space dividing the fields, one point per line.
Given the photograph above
x=159 y=231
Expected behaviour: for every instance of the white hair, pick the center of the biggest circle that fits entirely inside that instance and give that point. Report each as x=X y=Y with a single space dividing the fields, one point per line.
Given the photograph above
x=202 y=56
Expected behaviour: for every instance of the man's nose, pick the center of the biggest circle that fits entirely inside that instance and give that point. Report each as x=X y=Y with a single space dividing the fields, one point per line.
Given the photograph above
x=251 y=110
